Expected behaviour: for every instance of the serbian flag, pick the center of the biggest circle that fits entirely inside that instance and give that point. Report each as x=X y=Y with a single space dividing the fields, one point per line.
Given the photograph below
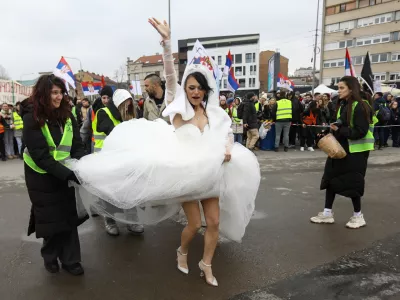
x=63 y=70
x=284 y=82
x=228 y=63
x=348 y=65
x=91 y=88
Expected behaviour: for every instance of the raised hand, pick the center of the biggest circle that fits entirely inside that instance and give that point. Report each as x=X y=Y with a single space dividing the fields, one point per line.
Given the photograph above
x=162 y=28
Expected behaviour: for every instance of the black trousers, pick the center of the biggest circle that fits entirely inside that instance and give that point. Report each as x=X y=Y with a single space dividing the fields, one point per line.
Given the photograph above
x=2 y=148
x=64 y=246
x=295 y=131
x=306 y=137
x=330 y=198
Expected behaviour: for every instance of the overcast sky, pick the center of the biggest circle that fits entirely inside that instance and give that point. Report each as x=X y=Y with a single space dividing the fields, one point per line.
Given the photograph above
x=102 y=34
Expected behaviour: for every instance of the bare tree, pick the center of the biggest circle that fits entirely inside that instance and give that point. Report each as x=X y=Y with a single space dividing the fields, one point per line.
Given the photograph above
x=120 y=75
x=3 y=73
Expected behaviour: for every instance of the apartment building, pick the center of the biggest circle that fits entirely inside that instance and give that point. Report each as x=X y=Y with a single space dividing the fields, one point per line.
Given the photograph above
x=362 y=26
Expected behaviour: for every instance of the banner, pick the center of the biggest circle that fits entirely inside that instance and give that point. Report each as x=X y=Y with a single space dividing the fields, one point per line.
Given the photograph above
x=12 y=92
x=135 y=87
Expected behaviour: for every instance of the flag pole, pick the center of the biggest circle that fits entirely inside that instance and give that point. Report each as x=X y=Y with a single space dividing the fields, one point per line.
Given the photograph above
x=366 y=83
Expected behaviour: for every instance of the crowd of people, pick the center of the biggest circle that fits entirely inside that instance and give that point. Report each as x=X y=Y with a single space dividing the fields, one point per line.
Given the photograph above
x=296 y=120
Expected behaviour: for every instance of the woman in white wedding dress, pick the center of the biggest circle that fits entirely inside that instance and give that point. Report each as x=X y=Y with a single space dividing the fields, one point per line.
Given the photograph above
x=158 y=168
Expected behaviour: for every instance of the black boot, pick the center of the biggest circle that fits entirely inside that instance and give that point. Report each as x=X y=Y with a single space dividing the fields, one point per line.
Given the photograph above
x=75 y=269
x=52 y=267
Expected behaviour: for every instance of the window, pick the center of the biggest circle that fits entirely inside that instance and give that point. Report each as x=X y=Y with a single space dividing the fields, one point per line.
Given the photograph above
x=378 y=19
x=394 y=76
x=396 y=36
x=332 y=28
x=397 y=15
x=252 y=82
x=358 y=60
x=225 y=84
x=249 y=58
x=342 y=44
x=219 y=60
x=242 y=83
x=372 y=2
x=384 y=38
x=136 y=76
x=346 y=25
x=381 y=77
x=350 y=43
x=334 y=63
x=254 y=57
x=395 y=56
x=238 y=71
x=342 y=7
x=238 y=58
x=253 y=70
x=378 y=58
x=244 y=70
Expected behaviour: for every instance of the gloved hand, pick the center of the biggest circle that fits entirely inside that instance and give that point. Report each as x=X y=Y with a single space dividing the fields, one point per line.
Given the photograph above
x=72 y=177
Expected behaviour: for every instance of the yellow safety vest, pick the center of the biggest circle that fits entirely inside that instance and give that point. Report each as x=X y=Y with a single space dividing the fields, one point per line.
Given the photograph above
x=234 y=116
x=74 y=111
x=18 y=123
x=227 y=110
x=284 y=109
x=60 y=153
x=367 y=142
x=99 y=137
x=257 y=105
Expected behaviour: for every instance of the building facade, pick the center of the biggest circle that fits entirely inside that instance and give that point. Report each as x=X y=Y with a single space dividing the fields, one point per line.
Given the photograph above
x=303 y=72
x=145 y=65
x=362 y=26
x=264 y=59
x=245 y=50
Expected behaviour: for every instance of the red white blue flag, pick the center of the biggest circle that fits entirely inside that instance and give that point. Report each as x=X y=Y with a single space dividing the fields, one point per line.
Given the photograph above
x=348 y=65
x=64 y=71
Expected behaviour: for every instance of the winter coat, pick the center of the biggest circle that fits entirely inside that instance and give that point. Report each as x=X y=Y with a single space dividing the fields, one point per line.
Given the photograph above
x=104 y=123
x=267 y=111
x=297 y=109
x=53 y=202
x=250 y=114
x=378 y=102
x=346 y=176
x=395 y=117
x=151 y=112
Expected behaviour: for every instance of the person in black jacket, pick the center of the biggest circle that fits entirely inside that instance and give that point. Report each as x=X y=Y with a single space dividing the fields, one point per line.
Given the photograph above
x=346 y=176
x=53 y=214
x=380 y=102
x=395 y=120
x=297 y=111
x=250 y=121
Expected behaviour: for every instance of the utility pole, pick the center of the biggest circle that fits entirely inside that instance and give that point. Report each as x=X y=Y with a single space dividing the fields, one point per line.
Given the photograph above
x=315 y=49
x=169 y=13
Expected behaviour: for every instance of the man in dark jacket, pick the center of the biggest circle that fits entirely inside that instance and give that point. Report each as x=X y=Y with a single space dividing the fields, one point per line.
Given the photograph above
x=297 y=110
x=250 y=121
x=379 y=132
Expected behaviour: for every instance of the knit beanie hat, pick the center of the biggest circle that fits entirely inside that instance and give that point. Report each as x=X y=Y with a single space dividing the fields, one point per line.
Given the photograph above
x=106 y=90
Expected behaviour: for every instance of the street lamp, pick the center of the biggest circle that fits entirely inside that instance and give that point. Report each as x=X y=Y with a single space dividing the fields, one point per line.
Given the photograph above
x=27 y=74
x=80 y=63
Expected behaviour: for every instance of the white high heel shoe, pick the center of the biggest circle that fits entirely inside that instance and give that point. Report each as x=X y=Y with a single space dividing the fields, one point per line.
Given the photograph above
x=179 y=253
x=214 y=281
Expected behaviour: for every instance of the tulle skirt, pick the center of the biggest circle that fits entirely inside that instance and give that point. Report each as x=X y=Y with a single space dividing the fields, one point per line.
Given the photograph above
x=147 y=169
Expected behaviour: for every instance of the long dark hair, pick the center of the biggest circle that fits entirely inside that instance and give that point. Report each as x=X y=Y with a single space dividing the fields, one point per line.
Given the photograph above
x=355 y=95
x=202 y=80
x=41 y=100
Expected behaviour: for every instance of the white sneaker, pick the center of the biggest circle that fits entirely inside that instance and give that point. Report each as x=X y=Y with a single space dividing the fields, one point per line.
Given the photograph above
x=323 y=219
x=310 y=149
x=301 y=149
x=356 y=222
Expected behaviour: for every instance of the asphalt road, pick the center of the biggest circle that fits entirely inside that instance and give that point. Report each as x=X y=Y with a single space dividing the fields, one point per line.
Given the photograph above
x=282 y=256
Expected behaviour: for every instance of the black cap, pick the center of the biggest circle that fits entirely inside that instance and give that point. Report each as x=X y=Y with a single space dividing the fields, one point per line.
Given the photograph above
x=106 y=90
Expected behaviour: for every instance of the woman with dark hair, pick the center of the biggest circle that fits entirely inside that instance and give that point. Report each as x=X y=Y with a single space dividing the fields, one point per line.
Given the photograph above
x=354 y=131
x=51 y=136
x=192 y=162
x=395 y=121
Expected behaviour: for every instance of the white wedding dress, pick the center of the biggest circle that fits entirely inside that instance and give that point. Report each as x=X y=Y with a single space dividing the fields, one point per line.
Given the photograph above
x=146 y=169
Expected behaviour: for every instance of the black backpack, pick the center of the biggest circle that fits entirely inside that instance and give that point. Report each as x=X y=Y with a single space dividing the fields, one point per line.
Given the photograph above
x=383 y=113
